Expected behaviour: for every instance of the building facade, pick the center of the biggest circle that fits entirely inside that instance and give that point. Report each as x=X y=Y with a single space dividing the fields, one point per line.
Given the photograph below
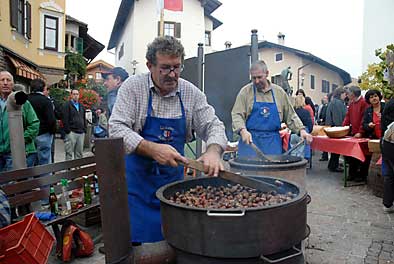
x=138 y=23
x=310 y=73
x=32 y=39
x=377 y=32
x=95 y=70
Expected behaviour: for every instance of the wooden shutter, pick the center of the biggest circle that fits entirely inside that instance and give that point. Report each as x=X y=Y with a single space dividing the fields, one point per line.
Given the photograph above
x=14 y=13
x=79 y=45
x=178 y=30
x=28 y=20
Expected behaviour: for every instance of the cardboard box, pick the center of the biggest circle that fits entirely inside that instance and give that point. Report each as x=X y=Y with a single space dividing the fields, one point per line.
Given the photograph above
x=374 y=145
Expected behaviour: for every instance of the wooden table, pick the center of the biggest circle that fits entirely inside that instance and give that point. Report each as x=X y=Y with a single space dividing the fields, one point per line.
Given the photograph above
x=347 y=146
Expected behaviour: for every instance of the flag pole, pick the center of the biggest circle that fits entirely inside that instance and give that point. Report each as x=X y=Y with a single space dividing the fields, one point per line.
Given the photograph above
x=161 y=22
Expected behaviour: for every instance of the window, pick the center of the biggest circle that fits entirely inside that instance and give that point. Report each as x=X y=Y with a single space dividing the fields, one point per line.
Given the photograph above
x=20 y=12
x=98 y=76
x=90 y=76
x=325 y=86
x=207 y=38
x=66 y=41
x=170 y=29
x=334 y=86
x=312 y=81
x=50 y=32
x=72 y=41
x=121 y=51
x=278 y=57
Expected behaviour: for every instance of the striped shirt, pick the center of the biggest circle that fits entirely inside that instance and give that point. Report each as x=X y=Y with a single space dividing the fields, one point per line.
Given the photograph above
x=130 y=111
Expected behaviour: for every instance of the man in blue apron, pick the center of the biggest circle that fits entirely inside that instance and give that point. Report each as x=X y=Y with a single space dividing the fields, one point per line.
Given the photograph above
x=258 y=112
x=156 y=113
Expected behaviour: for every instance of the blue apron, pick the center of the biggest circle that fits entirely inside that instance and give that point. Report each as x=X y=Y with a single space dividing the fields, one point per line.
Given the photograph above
x=144 y=175
x=264 y=124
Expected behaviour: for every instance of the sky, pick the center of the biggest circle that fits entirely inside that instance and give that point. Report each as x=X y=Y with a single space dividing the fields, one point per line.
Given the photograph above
x=331 y=30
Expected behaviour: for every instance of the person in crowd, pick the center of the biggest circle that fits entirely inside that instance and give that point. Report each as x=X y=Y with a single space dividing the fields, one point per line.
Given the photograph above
x=387 y=124
x=45 y=112
x=321 y=120
x=5 y=211
x=335 y=114
x=156 y=113
x=372 y=115
x=354 y=118
x=308 y=103
x=258 y=112
x=30 y=122
x=74 y=122
x=113 y=80
x=305 y=117
x=101 y=123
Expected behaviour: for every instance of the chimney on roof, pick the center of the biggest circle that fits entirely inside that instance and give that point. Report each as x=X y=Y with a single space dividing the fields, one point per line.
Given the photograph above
x=281 y=38
x=227 y=44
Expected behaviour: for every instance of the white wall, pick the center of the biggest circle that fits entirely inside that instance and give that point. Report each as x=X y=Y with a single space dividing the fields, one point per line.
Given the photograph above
x=378 y=28
x=142 y=28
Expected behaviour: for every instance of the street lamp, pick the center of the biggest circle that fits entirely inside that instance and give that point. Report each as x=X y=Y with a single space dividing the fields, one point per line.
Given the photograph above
x=134 y=65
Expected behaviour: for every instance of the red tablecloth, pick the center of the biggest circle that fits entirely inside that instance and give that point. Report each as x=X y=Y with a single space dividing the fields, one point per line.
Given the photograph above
x=348 y=146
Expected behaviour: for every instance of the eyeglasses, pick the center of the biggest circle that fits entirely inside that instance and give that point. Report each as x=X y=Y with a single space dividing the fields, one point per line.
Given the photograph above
x=167 y=70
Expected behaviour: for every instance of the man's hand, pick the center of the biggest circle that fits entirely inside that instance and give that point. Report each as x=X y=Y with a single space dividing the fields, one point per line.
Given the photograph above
x=212 y=160
x=163 y=153
x=306 y=136
x=358 y=135
x=371 y=124
x=246 y=136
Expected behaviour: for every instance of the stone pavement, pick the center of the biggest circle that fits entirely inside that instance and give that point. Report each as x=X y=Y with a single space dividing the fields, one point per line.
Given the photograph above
x=347 y=224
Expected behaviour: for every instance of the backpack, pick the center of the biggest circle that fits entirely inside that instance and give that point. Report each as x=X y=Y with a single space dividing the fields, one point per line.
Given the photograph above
x=74 y=242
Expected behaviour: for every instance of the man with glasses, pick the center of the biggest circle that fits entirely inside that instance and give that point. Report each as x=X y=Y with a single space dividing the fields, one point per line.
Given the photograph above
x=74 y=122
x=258 y=112
x=155 y=114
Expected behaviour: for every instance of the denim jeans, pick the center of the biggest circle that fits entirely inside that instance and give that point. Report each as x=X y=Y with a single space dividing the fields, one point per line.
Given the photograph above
x=44 y=146
x=6 y=161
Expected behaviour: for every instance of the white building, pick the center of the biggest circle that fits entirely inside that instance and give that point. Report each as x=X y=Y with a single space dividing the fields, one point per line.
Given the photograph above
x=137 y=24
x=378 y=30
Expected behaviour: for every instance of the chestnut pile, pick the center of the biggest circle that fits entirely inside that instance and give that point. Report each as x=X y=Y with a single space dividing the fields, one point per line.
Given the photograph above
x=228 y=197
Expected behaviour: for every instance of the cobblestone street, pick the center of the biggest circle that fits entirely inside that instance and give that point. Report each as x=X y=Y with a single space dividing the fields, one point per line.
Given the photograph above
x=347 y=224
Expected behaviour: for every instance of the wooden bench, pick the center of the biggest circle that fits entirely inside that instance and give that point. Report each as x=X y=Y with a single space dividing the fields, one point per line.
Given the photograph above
x=25 y=186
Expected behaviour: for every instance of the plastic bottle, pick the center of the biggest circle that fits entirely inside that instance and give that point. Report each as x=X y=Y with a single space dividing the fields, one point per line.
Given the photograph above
x=65 y=201
x=87 y=191
x=53 y=201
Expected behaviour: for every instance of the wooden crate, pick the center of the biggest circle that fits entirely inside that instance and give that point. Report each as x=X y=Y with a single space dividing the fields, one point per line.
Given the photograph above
x=374 y=145
x=89 y=218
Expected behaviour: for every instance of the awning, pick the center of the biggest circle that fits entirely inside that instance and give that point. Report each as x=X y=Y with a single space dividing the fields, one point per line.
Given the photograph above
x=24 y=70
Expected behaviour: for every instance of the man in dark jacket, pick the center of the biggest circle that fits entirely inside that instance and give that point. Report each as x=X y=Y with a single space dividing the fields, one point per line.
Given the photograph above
x=336 y=112
x=46 y=114
x=74 y=122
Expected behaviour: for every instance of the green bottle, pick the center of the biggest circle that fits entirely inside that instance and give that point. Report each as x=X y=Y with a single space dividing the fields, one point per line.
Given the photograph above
x=53 y=201
x=87 y=191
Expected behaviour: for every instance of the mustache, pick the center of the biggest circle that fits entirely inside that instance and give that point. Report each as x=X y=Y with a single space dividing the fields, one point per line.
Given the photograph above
x=170 y=79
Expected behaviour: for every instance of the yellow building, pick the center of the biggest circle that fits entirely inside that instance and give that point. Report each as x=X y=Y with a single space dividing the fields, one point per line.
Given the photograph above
x=32 y=39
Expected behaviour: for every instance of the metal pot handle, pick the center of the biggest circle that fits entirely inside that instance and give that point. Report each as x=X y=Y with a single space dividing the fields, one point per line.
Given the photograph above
x=308 y=199
x=226 y=214
x=296 y=254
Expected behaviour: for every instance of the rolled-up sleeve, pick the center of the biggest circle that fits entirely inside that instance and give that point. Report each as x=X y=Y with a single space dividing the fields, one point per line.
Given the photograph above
x=206 y=124
x=123 y=118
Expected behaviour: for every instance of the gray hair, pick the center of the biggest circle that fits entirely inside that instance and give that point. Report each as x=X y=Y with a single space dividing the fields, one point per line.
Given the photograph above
x=259 y=65
x=354 y=90
x=338 y=91
x=7 y=72
x=166 y=46
x=19 y=87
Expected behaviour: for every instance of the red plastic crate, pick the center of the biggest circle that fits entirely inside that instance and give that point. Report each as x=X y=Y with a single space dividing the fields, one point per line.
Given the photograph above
x=26 y=242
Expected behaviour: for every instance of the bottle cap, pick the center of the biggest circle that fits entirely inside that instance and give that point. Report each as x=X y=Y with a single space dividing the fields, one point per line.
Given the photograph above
x=64 y=182
x=52 y=189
